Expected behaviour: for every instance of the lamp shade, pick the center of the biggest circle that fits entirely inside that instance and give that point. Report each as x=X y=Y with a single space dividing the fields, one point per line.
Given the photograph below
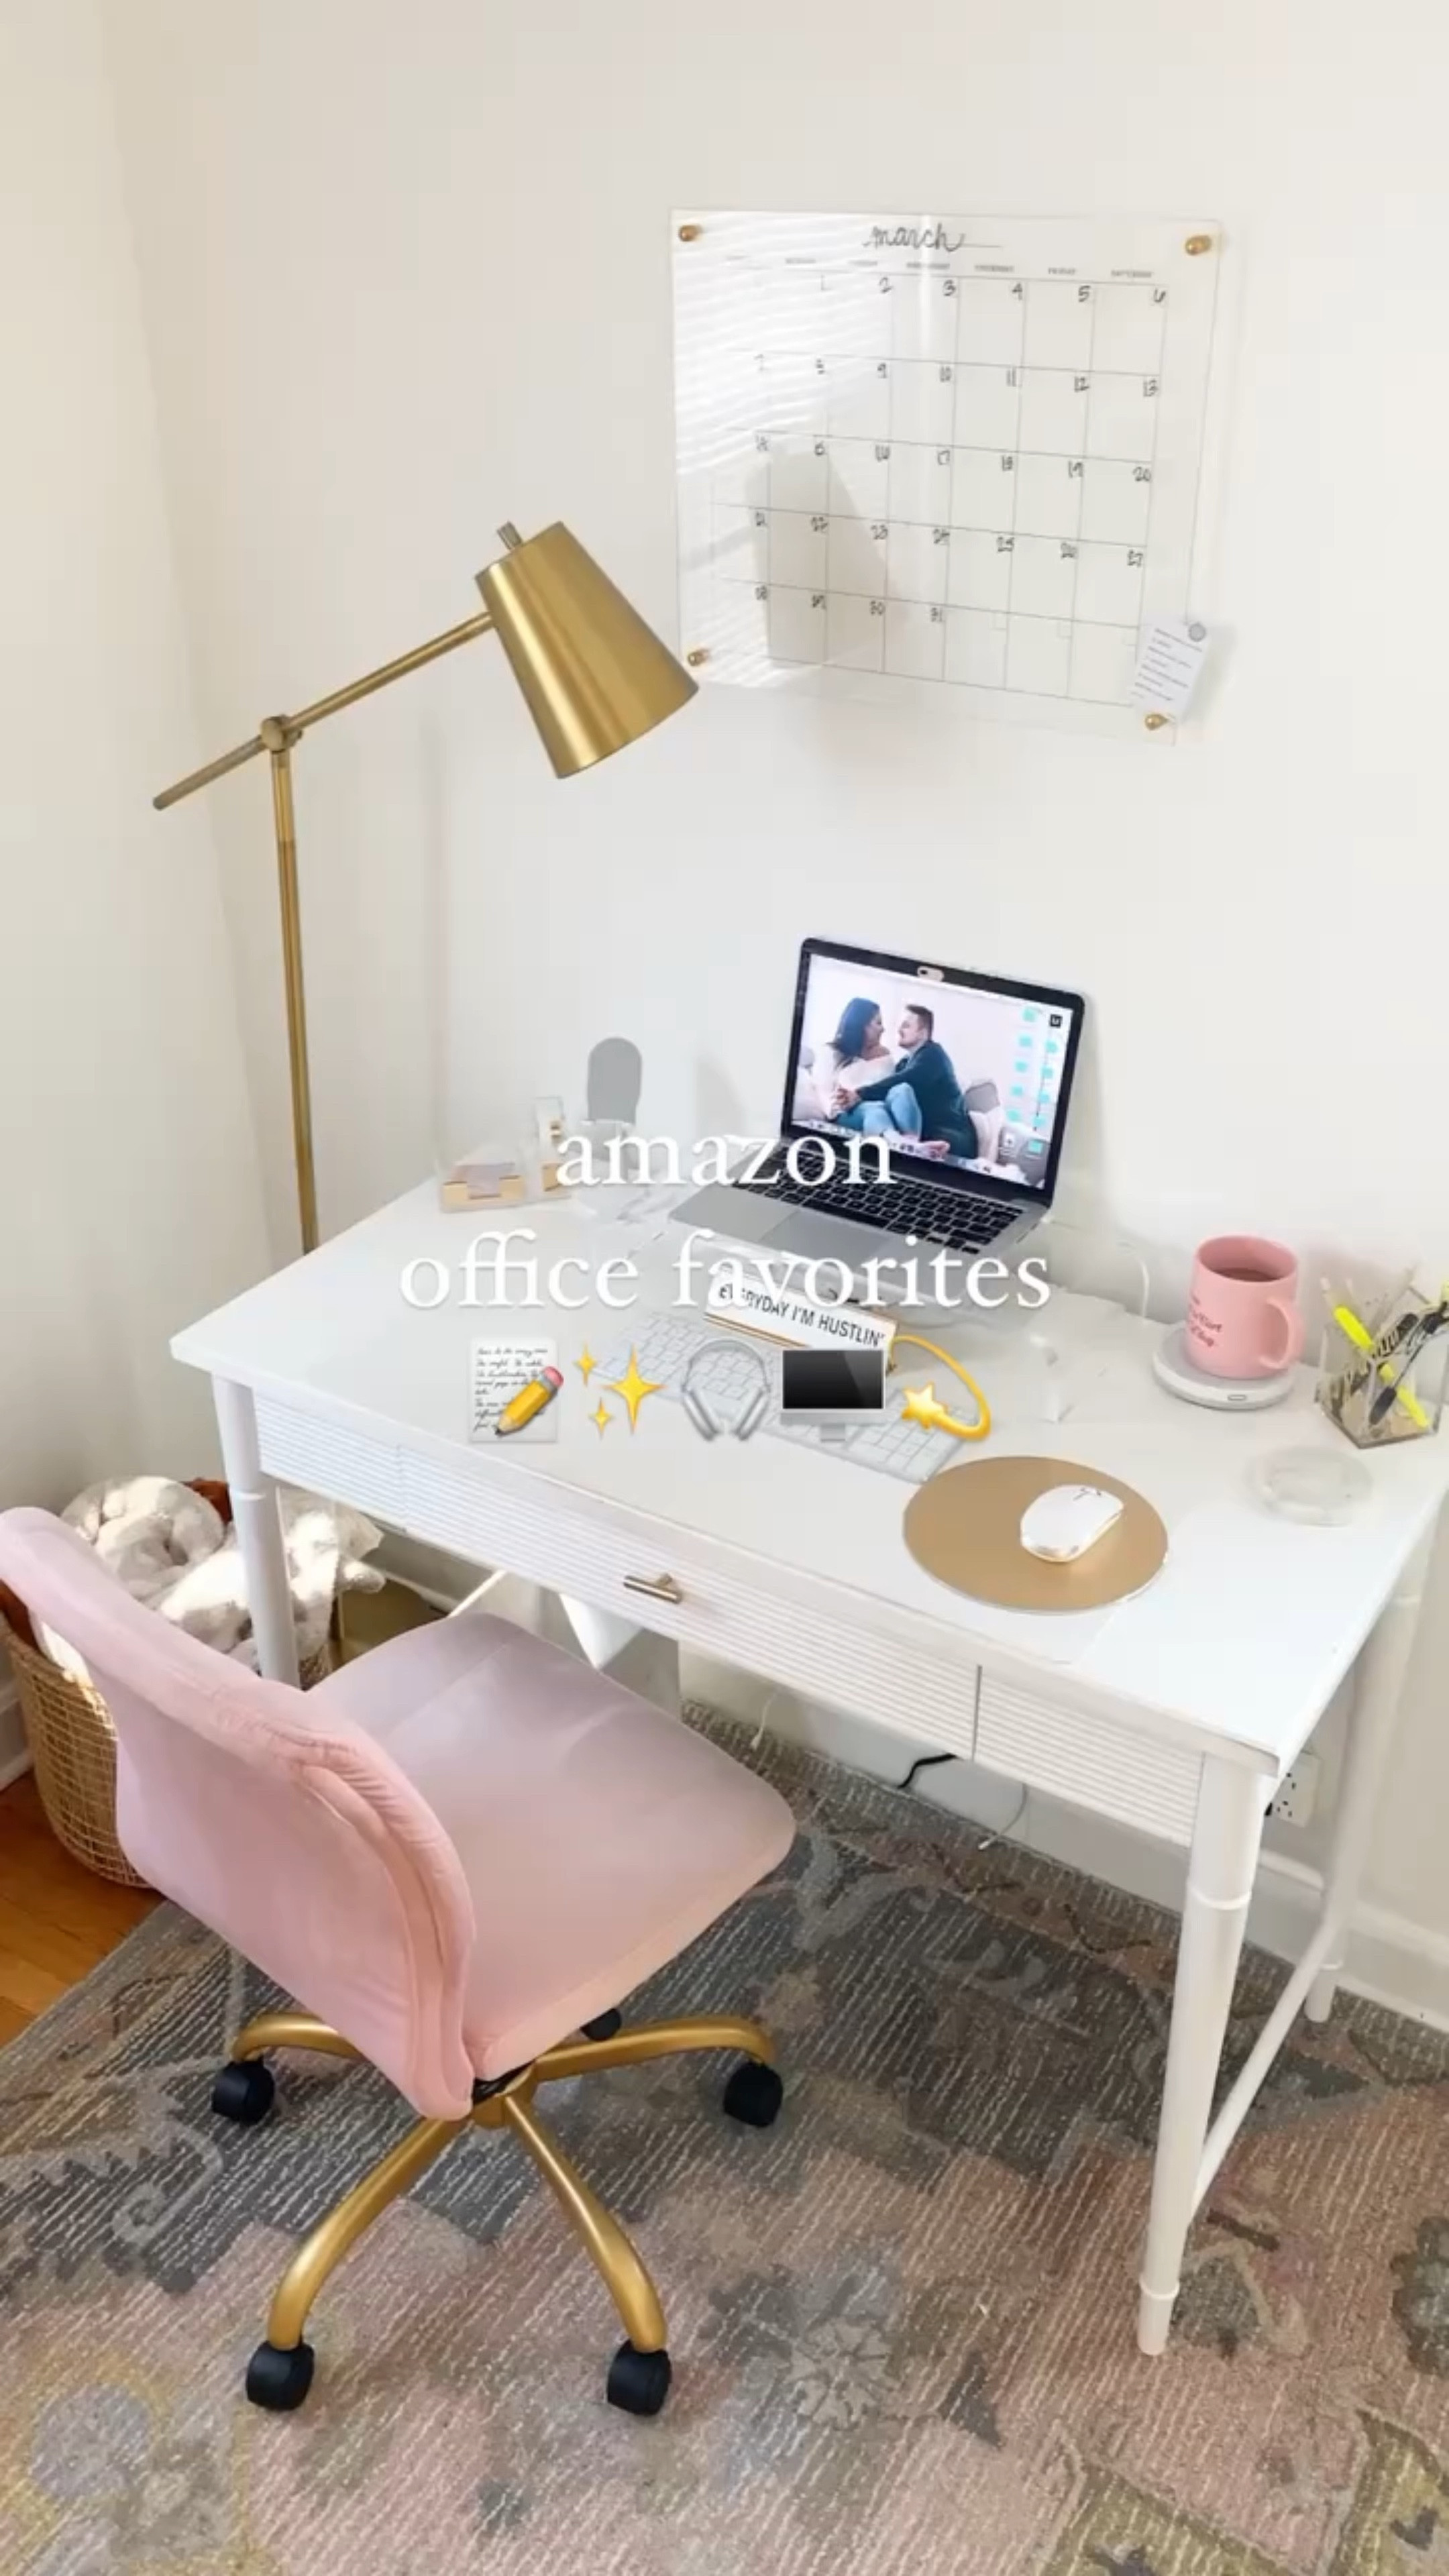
x=595 y=676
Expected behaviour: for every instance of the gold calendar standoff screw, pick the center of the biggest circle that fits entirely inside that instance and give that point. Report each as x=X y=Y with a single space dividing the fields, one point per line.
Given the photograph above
x=690 y=232
x=1156 y=721
x=697 y=654
x=1197 y=243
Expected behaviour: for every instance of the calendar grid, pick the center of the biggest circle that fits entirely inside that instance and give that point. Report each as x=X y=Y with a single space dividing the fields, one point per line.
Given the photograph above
x=876 y=357
x=1152 y=487
x=1016 y=375
x=976 y=469
x=1077 y=538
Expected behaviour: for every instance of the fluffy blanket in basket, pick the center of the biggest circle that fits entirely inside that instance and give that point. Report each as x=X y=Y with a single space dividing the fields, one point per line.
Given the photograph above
x=171 y=1548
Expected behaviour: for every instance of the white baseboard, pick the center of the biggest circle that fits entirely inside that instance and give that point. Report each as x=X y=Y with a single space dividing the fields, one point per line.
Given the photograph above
x=14 y=1751
x=1391 y=1959
x=442 y=1579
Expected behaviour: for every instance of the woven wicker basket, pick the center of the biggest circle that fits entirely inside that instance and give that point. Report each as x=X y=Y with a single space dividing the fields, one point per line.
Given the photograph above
x=72 y=1740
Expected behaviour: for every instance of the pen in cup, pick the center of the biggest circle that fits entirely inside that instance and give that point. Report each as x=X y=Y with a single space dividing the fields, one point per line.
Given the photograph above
x=528 y=1402
x=1410 y=1350
x=1357 y=1332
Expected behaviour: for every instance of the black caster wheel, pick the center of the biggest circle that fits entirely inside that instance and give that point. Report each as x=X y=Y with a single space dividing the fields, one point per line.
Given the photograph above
x=754 y=2094
x=603 y=2025
x=638 y=2381
x=244 y=2093
x=280 y=2380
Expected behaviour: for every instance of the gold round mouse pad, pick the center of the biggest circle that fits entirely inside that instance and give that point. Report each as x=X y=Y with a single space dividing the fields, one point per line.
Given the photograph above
x=964 y=1527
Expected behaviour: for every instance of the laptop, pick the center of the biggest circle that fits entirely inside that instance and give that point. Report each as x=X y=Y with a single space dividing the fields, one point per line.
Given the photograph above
x=939 y=1095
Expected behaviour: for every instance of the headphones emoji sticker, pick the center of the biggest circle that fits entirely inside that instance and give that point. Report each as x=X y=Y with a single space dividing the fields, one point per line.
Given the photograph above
x=749 y=1415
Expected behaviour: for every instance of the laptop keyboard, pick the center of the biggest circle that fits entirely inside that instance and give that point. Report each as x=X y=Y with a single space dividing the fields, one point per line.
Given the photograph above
x=952 y=1217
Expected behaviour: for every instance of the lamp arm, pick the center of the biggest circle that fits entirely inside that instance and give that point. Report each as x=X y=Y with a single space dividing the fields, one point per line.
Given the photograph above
x=291 y=728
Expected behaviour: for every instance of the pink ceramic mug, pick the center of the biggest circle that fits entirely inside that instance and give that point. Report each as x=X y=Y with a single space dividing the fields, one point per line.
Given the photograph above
x=1241 y=1319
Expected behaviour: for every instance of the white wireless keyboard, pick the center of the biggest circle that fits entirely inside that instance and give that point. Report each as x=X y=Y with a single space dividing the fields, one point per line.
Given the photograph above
x=664 y=1345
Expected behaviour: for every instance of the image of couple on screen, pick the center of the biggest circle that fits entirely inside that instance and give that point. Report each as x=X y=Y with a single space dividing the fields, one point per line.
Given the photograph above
x=886 y=1072
x=907 y=1093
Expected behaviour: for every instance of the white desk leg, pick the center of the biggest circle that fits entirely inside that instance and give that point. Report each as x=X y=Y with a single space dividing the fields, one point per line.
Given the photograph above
x=259 y=1531
x=1372 y=1723
x=635 y=1656
x=1215 y=1911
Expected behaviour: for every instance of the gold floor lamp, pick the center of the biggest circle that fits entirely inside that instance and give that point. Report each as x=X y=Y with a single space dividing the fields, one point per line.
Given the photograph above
x=595 y=678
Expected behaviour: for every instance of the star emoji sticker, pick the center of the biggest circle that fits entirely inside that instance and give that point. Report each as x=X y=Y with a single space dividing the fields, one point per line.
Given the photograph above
x=602 y=1416
x=634 y=1388
x=921 y=1406
x=586 y=1364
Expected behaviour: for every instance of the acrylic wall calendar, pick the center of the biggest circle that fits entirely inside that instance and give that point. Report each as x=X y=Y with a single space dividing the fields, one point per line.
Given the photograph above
x=952 y=458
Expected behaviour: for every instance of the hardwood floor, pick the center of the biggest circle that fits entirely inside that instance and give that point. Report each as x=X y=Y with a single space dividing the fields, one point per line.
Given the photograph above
x=57 y=1921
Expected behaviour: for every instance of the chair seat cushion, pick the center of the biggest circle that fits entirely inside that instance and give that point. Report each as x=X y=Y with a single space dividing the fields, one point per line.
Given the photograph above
x=598 y=1835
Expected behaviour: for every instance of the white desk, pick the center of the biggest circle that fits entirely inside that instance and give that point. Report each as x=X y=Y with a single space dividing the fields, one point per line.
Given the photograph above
x=1176 y=1712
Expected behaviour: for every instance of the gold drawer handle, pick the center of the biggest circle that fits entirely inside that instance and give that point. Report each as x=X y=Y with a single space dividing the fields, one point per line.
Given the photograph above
x=660 y=1587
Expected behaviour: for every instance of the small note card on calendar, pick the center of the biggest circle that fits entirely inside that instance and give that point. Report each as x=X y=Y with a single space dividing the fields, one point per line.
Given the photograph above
x=1173 y=652
x=497 y=1371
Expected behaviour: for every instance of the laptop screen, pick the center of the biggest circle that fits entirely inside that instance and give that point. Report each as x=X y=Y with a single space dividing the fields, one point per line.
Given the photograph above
x=965 y=1073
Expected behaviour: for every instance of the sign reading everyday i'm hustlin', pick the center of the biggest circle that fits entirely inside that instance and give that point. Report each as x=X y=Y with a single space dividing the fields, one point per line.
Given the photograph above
x=734 y=1299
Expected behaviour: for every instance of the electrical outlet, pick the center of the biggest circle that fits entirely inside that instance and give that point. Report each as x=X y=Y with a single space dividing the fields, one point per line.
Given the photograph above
x=1297 y=1792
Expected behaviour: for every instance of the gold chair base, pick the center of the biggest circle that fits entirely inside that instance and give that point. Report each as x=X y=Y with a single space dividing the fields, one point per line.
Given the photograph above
x=509 y=2107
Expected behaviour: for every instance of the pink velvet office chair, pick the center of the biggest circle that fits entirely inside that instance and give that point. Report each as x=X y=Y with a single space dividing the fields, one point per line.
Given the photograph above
x=456 y=1853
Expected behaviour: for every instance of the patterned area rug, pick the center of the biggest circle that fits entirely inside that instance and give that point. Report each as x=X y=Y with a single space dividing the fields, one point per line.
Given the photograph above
x=902 y=2320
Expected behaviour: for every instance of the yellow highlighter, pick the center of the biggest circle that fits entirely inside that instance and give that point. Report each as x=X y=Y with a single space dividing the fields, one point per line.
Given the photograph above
x=1362 y=1339
x=529 y=1401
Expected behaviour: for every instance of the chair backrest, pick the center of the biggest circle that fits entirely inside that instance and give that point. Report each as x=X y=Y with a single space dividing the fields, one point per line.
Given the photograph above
x=304 y=1846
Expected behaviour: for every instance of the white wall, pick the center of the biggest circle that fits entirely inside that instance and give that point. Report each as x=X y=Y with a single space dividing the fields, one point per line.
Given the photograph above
x=408 y=274
x=130 y=1191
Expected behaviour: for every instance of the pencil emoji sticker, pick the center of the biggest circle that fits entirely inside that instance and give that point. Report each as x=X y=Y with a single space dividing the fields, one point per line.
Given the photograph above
x=528 y=1402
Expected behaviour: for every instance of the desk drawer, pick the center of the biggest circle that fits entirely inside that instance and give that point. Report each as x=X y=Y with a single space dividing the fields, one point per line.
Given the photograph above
x=722 y=1612
x=349 y=1467
x=1088 y=1761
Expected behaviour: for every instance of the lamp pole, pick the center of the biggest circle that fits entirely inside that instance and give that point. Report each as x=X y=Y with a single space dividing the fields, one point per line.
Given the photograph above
x=278 y=736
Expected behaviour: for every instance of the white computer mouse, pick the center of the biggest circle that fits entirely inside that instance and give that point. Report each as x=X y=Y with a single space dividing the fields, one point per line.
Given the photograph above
x=1068 y=1519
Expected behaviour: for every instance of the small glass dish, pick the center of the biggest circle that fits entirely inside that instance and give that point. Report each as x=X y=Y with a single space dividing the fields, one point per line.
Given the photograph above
x=1317 y=1485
